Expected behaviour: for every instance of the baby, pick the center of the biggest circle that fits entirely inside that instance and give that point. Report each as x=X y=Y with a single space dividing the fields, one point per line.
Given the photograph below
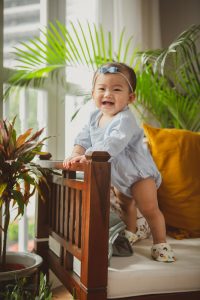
x=112 y=127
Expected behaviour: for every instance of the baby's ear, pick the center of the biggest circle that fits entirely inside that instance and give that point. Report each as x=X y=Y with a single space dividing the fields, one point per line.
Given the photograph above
x=131 y=97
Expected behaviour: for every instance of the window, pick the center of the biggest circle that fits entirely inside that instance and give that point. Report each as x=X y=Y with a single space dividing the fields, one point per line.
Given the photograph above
x=22 y=22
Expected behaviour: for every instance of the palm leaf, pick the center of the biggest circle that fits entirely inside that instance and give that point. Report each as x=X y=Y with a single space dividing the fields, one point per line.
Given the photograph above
x=127 y=49
x=97 y=40
x=179 y=65
x=71 y=47
x=60 y=46
x=120 y=45
x=79 y=43
x=110 y=47
x=103 y=44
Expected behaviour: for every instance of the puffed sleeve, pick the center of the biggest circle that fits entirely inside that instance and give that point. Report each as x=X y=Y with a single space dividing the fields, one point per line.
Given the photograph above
x=117 y=135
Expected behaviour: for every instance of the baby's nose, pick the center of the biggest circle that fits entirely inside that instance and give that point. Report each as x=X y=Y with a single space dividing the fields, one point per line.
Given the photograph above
x=107 y=93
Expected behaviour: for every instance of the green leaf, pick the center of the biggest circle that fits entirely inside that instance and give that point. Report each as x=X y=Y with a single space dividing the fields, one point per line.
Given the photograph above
x=3 y=186
x=26 y=177
x=120 y=45
x=18 y=197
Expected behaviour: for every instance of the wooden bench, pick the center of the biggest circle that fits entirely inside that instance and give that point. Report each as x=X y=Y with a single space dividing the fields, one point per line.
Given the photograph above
x=76 y=215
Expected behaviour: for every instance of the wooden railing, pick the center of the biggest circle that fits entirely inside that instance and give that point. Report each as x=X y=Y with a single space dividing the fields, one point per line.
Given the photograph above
x=76 y=215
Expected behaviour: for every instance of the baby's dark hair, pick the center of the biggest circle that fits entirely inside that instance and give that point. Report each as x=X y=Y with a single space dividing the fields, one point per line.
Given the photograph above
x=123 y=68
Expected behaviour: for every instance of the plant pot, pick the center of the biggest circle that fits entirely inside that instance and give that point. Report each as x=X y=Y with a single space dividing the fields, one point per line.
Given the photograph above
x=30 y=261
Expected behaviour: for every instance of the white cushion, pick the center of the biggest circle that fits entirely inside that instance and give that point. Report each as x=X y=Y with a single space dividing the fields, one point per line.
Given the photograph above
x=140 y=275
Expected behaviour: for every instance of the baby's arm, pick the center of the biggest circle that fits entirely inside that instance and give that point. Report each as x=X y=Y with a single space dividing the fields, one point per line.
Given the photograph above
x=76 y=156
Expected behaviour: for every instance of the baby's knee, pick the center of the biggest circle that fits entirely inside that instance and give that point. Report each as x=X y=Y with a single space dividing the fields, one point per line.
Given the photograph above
x=150 y=211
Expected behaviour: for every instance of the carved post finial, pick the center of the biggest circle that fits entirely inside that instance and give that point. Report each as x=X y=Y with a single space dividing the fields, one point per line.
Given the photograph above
x=100 y=156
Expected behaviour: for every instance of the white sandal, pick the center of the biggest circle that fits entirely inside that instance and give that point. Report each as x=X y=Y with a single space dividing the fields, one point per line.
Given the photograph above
x=162 y=252
x=143 y=229
x=131 y=237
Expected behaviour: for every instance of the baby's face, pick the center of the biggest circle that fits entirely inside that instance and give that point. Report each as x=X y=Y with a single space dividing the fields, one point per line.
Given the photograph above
x=111 y=93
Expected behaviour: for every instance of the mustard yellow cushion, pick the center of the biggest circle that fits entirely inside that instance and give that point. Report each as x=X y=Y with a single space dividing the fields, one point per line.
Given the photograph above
x=176 y=153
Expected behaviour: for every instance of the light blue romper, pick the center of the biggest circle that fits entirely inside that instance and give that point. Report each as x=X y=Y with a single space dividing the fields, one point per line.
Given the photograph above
x=122 y=138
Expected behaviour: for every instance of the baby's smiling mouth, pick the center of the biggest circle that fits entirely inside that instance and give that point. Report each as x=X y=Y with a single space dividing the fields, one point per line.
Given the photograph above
x=107 y=103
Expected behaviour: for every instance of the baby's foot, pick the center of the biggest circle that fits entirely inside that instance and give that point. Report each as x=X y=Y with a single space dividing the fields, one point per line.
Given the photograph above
x=162 y=252
x=131 y=237
x=143 y=229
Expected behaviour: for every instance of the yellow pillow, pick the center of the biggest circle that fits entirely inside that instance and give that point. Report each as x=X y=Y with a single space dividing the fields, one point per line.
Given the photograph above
x=176 y=153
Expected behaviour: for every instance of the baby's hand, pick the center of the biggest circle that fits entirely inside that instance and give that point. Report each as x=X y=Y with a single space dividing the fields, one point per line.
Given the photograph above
x=66 y=162
x=71 y=160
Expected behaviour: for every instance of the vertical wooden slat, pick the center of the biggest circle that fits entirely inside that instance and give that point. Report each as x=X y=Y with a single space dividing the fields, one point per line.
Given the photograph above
x=53 y=214
x=71 y=216
x=78 y=219
x=50 y=206
x=66 y=211
x=57 y=203
x=61 y=216
x=74 y=216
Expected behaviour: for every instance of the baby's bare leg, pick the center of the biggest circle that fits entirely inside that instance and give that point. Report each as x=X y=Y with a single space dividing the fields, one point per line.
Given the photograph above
x=145 y=195
x=128 y=210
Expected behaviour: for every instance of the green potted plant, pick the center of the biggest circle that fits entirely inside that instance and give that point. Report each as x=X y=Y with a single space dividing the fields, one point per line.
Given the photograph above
x=168 y=86
x=19 y=179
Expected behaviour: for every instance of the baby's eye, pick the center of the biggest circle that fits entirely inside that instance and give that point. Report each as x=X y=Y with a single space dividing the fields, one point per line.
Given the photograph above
x=101 y=89
x=117 y=89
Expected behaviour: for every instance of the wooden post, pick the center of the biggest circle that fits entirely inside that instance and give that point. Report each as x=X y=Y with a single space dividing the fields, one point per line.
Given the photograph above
x=94 y=266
